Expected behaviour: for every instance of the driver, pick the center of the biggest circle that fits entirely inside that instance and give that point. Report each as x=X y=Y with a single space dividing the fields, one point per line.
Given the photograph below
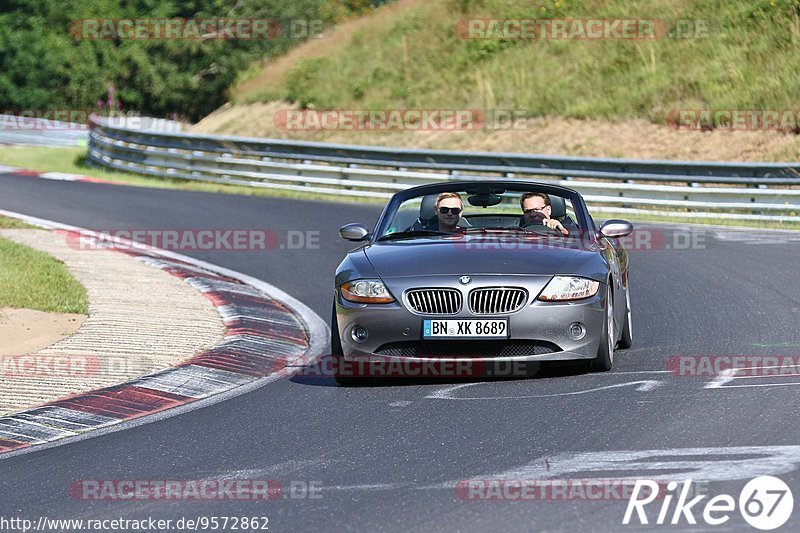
x=536 y=209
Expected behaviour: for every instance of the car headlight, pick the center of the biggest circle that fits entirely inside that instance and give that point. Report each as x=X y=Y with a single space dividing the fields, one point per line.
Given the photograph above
x=366 y=291
x=564 y=288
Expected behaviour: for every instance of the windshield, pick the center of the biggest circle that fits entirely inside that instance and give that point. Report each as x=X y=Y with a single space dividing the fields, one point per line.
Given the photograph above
x=458 y=211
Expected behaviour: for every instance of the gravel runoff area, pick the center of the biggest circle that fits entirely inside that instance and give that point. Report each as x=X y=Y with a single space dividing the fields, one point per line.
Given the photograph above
x=141 y=320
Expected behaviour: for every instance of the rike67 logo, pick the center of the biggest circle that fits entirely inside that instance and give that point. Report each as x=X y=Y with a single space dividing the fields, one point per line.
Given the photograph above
x=765 y=503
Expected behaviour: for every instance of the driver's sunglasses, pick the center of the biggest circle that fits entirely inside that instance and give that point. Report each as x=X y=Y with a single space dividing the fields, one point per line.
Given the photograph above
x=451 y=210
x=536 y=210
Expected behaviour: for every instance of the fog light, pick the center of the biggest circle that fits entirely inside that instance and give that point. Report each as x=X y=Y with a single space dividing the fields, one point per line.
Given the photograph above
x=359 y=334
x=577 y=331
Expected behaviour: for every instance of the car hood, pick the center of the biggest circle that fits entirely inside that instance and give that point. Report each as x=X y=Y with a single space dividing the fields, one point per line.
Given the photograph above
x=484 y=254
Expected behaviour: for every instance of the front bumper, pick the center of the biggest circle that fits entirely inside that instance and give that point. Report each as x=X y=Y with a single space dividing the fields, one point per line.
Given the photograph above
x=538 y=322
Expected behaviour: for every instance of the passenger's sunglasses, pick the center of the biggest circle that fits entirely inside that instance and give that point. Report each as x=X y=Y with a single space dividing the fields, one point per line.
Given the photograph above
x=451 y=210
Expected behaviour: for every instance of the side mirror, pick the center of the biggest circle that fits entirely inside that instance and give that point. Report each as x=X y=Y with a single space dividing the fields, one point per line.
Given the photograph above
x=614 y=229
x=354 y=232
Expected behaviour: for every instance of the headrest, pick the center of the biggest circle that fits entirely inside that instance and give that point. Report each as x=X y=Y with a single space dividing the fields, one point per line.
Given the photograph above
x=558 y=206
x=427 y=209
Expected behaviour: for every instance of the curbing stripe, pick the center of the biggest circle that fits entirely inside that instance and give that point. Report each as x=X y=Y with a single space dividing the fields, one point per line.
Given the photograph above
x=30 y=432
x=122 y=401
x=7 y=445
x=265 y=329
x=193 y=381
x=61 y=176
x=248 y=357
x=55 y=176
x=60 y=417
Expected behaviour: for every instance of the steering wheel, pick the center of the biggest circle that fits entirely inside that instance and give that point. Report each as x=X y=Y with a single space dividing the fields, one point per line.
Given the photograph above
x=538 y=227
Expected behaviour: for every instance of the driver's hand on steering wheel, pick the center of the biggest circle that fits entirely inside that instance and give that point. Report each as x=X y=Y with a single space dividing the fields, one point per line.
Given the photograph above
x=555 y=225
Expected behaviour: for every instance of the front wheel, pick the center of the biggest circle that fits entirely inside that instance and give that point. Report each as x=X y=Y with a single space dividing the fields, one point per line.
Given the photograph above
x=605 y=352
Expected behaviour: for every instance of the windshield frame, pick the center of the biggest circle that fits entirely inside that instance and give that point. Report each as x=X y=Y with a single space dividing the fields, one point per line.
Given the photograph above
x=584 y=220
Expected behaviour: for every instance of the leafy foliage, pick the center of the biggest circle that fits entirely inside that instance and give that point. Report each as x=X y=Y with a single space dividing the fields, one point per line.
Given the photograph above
x=45 y=66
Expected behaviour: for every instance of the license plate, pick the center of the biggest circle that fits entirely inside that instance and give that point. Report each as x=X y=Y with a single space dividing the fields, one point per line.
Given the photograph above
x=472 y=329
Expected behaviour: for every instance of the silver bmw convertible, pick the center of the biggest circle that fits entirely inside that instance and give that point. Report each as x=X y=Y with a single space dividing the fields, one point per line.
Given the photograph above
x=489 y=271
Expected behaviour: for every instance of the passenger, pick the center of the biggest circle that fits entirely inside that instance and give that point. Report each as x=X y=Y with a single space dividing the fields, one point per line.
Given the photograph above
x=448 y=211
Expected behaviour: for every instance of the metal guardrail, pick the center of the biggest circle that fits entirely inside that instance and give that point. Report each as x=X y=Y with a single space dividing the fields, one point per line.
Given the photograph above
x=21 y=130
x=750 y=191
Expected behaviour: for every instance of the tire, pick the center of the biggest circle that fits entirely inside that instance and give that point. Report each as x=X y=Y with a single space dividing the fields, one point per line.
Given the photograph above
x=338 y=355
x=626 y=340
x=605 y=352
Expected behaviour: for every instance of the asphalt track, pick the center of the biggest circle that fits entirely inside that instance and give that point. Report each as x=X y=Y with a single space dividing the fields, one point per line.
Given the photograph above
x=387 y=456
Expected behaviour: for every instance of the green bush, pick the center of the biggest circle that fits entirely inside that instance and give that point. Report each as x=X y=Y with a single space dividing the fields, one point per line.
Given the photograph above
x=305 y=82
x=46 y=67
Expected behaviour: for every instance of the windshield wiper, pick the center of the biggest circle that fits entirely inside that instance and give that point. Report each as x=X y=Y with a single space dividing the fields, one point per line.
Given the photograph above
x=412 y=233
x=539 y=231
x=501 y=228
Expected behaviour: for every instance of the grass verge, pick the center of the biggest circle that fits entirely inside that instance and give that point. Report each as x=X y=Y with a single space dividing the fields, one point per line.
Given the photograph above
x=73 y=160
x=12 y=223
x=30 y=279
x=714 y=55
